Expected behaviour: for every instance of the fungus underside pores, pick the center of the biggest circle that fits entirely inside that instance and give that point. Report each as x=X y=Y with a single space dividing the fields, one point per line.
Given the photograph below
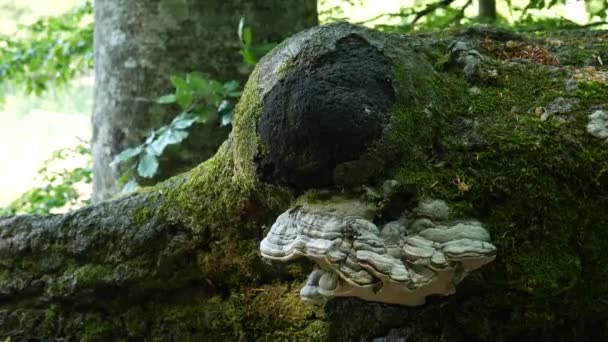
x=403 y=261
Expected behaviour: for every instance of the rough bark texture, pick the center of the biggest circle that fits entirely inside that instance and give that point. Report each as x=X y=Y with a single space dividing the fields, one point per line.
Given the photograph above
x=348 y=88
x=180 y=261
x=139 y=44
x=487 y=10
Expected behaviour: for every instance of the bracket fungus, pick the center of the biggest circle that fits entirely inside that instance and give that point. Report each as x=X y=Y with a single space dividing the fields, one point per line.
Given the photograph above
x=397 y=262
x=598 y=124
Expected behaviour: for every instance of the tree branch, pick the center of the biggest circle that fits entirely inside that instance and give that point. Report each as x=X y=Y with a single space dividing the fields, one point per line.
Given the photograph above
x=417 y=14
x=429 y=9
x=391 y=15
x=573 y=26
x=460 y=13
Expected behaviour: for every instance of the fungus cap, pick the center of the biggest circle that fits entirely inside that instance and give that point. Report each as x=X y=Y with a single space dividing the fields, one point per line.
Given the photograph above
x=401 y=262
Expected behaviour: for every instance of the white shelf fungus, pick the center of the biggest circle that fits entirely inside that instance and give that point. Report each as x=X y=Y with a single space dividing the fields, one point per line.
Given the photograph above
x=401 y=262
x=598 y=124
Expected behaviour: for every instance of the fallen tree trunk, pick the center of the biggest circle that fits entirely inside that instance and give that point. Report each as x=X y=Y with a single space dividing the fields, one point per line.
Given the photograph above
x=506 y=129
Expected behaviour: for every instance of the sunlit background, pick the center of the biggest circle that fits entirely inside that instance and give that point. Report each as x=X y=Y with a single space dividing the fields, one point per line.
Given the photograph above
x=32 y=127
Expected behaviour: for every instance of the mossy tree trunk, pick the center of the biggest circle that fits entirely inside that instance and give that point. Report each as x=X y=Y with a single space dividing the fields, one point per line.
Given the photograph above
x=507 y=115
x=140 y=44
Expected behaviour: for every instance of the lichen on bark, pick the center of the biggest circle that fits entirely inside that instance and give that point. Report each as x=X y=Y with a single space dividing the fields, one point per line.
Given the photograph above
x=180 y=261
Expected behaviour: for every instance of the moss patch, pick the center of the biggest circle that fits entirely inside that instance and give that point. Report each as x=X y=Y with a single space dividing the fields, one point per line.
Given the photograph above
x=534 y=183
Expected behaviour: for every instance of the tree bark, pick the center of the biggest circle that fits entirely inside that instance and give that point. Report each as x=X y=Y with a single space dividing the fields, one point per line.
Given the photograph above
x=180 y=261
x=487 y=10
x=139 y=45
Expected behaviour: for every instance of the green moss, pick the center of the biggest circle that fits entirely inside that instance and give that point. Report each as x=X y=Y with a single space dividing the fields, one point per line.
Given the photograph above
x=56 y=248
x=144 y=214
x=91 y=275
x=213 y=198
x=134 y=324
x=594 y=92
x=97 y=329
x=314 y=195
x=530 y=181
x=244 y=133
x=224 y=183
x=272 y=312
x=286 y=66
x=575 y=55
x=5 y=276
x=545 y=272
x=51 y=317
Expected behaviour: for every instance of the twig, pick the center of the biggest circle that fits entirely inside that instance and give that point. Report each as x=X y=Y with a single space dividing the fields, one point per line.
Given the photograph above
x=430 y=8
x=460 y=13
x=417 y=15
x=573 y=26
x=597 y=23
x=392 y=15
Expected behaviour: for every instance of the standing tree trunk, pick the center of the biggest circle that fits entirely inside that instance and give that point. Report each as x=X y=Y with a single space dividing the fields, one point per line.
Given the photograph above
x=487 y=10
x=139 y=44
x=500 y=134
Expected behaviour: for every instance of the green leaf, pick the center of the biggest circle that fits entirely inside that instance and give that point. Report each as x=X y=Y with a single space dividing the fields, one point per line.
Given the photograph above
x=248 y=57
x=58 y=184
x=205 y=88
x=183 y=97
x=223 y=107
x=166 y=99
x=175 y=136
x=151 y=137
x=184 y=120
x=124 y=177
x=126 y=155
x=231 y=86
x=202 y=116
x=247 y=36
x=183 y=92
x=232 y=89
x=177 y=81
x=227 y=118
x=161 y=130
x=148 y=166
x=129 y=186
x=195 y=82
x=170 y=136
x=49 y=52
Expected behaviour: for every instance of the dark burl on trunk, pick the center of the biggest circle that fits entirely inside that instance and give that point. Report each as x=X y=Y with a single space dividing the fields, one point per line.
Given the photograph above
x=327 y=110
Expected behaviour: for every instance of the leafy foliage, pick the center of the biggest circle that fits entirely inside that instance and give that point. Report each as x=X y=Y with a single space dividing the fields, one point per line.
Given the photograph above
x=330 y=11
x=51 y=51
x=251 y=53
x=200 y=99
x=425 y=15
x=61 y=186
